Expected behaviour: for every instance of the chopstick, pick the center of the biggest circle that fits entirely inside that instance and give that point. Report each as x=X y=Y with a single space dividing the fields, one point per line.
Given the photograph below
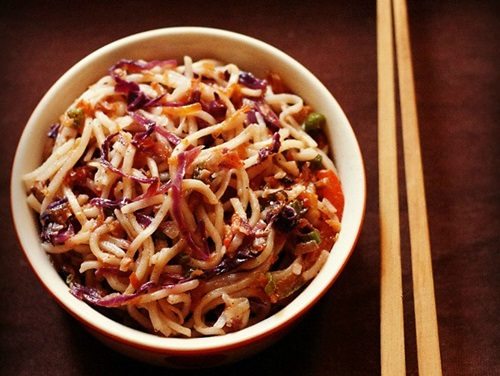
x=391 y=322
x=428 y=353
x=392 y=344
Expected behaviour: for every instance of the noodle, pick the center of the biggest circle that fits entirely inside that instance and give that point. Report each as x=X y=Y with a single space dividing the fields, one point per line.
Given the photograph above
x=187 y=196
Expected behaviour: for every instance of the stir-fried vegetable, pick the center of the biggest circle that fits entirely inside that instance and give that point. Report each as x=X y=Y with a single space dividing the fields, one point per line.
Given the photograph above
x=328 y=186
x=314 y=122
x=314 y=235
x=317 y=162
x=76 y=114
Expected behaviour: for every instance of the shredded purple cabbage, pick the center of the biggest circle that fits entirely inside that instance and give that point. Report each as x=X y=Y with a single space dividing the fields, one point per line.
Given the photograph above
x=56 y=233
x=54 y=130
x=140 y=137
x=57 y=205
x=96 y=297
x=154 y=189
x=58 y=223
x=143 y=219
x=184 y=159
x=136 y=98
x=270 y=118
x=242 y=255
x=106 y=145
x=172 y=138
x=271 y=149
x=105 y=162
x=286 y=218
x=151 y=127
x=250 y=81
x=108 y=203
x=217 y=108
x=251 y=118
x=87 y=294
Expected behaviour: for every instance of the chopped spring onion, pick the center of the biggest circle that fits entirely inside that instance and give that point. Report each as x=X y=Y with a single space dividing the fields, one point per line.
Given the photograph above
x=270 y=286
x=313 y=235
x=317 y=162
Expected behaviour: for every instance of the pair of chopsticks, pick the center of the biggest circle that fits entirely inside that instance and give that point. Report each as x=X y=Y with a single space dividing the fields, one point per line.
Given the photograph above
x=391 y=301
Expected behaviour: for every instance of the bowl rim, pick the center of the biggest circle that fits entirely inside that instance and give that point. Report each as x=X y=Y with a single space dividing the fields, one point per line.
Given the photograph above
x=186 y=346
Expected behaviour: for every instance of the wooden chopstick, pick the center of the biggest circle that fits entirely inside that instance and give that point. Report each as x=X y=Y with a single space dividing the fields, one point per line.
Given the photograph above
x=428 y=353
x=392 y=346
x=391 y=305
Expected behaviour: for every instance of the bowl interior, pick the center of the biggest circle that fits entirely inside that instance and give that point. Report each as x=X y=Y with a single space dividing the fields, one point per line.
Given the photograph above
x=249 y=54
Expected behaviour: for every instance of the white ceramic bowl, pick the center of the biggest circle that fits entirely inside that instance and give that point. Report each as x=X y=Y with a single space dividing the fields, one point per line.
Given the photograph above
x=251 y=55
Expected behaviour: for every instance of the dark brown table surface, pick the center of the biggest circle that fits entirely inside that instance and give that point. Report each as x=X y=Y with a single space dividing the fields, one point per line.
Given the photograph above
x=456 y=49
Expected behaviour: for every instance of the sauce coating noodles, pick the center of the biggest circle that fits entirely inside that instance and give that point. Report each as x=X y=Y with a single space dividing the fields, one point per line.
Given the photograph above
x=194 y=199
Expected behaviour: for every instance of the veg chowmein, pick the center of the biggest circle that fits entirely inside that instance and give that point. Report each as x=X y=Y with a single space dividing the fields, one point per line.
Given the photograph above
x=191 y=199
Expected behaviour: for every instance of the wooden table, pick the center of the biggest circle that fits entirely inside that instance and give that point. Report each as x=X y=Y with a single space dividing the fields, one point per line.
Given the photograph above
x=456 y=48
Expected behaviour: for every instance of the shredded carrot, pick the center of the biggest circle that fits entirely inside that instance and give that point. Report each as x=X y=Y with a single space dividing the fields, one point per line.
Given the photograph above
x=329 y=187
x=230 y=160
x=134 y=281
x=190 y=109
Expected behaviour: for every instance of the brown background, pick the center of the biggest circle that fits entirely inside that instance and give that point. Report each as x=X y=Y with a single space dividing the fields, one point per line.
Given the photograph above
x=456 y=48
